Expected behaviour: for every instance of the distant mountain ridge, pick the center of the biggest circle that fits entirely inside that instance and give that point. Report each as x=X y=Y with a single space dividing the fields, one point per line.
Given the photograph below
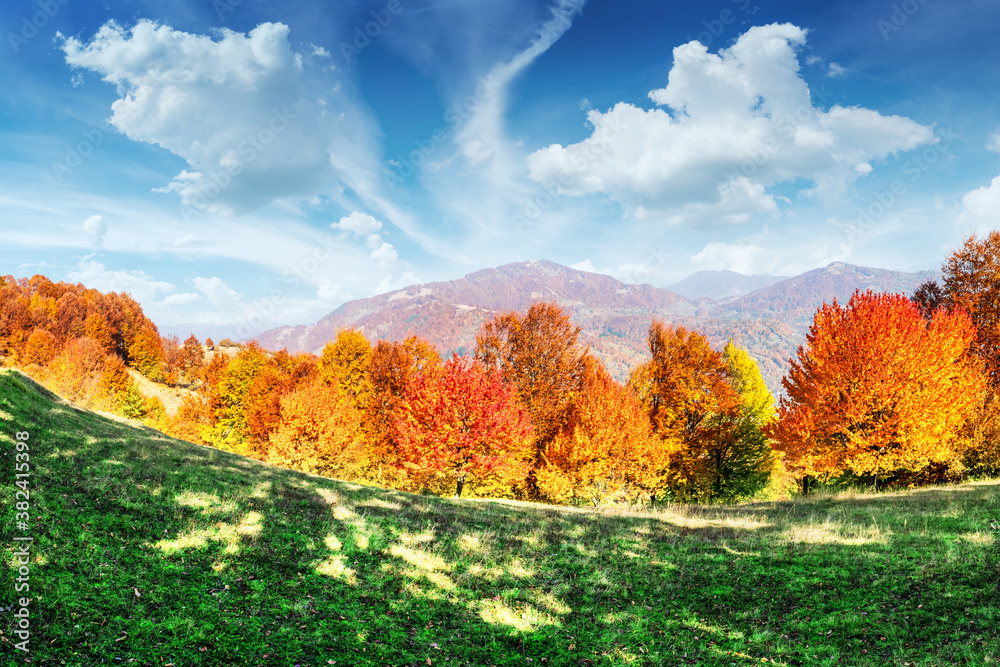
x=771 y=322
x=721 y=284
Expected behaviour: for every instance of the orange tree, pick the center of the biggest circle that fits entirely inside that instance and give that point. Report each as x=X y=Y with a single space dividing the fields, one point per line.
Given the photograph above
x=540 y=355
x=319 y=431
x=462 y=428
x=971 y=278
x=687 y=393
x=391 y=368
x=606 y=448
x=878 y=390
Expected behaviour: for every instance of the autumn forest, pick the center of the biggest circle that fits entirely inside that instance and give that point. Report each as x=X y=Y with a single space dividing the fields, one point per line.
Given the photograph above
x=890 y=390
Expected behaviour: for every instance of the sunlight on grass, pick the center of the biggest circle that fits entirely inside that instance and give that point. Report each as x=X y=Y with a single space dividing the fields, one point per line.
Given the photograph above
x=335 y=566
x=375 y=502
x=417 y=538
x=833 y=532
x=550 y=602
x=226 y=533
x=526 y=619
x=208 y=503
x=426 y=565
x=471 y=544
x=517 y=569
x=687 y=519
x=332 y=543
x=261 y=490
x=976 y=537
x=420 y=559
x=341 y=513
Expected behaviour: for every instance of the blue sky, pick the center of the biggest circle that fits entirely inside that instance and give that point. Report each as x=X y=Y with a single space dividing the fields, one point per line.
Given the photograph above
x=238 y=164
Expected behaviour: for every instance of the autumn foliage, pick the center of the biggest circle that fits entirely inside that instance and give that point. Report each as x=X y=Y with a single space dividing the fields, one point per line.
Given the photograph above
x=605 y=450
x=319 y=431
x=463 y=427
x=878 y=389
x=886 y=388
x=972 y=284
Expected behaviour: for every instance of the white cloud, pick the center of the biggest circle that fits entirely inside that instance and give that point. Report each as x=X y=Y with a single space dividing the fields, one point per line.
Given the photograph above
x=979 y=207
x=739 y=122
x=237 y=108
x=218 y=292
x=332 y=293
x=96 y=228
x=385 y=254
x=835 y=70
x=482 y=137
x=359 y=224
x=180 y=299
x=747 y=259
x=143 y=287
x=585 y=265
x=993 y=143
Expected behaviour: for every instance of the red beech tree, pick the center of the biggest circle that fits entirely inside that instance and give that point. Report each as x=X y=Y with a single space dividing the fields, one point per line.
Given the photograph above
x=463 y=428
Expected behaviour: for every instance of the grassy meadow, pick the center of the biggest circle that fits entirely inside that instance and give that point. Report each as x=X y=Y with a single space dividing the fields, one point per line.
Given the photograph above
x=153 y=551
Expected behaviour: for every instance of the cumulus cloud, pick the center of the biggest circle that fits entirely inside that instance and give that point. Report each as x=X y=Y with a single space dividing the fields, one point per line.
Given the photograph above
x=96 y=228
x=143 y=287
x=747 y=259
x=733 y=124
x=362 y=225
x=385 y=254
x=358 y=224
x=332 y=293
x=217 y=291
x=237 y=108
x=979 y=207
x=388 y=284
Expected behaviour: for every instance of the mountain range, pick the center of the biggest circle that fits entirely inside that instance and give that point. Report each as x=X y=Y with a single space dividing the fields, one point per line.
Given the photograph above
x=769 y=315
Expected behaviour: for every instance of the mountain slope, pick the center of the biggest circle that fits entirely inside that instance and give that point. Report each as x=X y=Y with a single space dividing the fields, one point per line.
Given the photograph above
x=615 y=317
x=148 y=550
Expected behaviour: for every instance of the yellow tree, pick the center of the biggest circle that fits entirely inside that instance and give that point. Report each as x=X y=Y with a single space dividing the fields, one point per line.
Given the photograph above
x=345 y=363
x=319 y=432
x=879 y=390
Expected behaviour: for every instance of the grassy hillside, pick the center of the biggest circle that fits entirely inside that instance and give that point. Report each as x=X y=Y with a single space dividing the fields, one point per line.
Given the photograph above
x=152 y=551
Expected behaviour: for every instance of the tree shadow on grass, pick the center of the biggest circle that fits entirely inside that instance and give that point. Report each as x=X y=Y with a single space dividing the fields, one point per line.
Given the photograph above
x=160 y=551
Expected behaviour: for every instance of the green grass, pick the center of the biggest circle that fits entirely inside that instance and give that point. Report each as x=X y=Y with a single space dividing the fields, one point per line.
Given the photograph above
x=153 y=551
